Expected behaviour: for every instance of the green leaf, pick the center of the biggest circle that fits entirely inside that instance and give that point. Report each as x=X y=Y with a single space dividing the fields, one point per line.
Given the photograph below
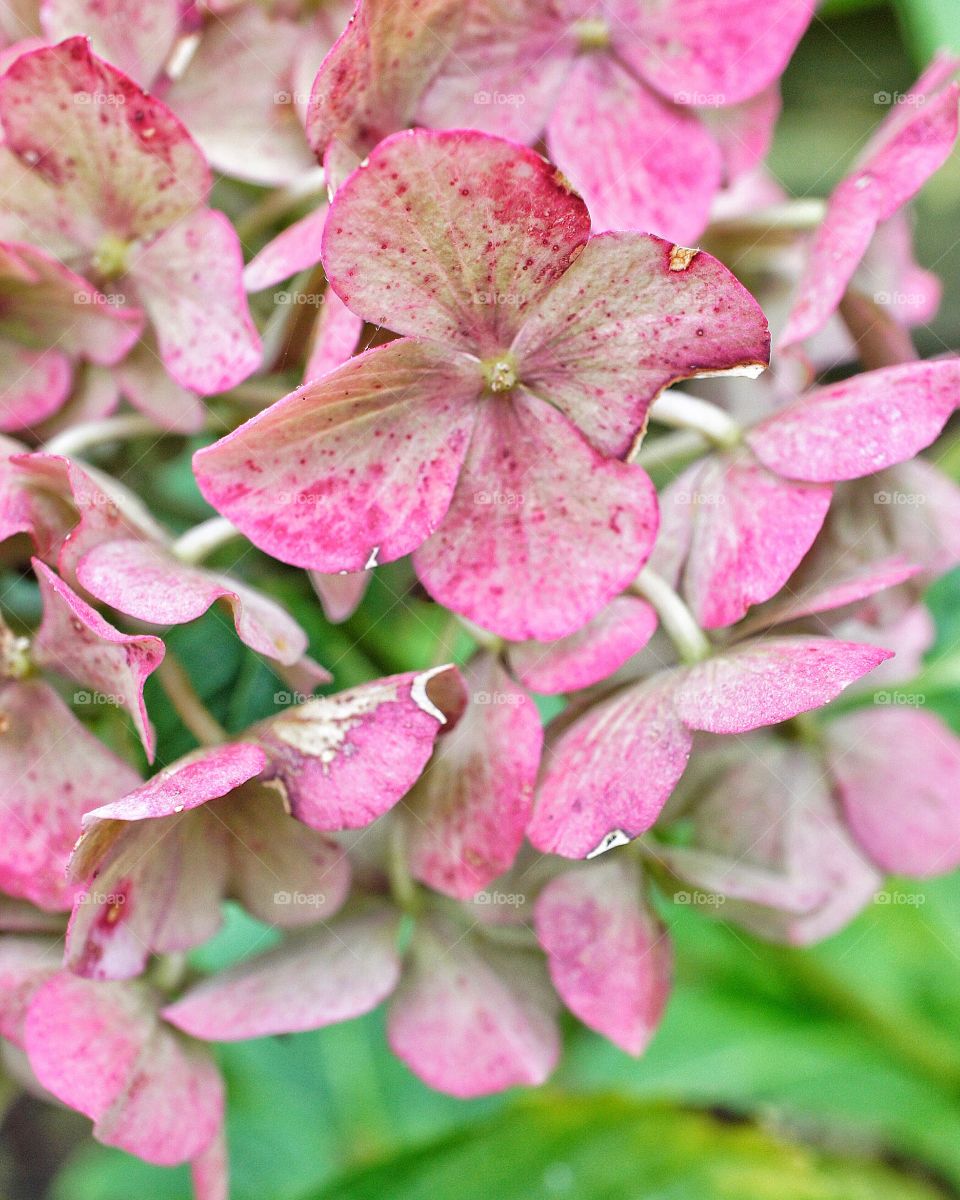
x=606 y=1148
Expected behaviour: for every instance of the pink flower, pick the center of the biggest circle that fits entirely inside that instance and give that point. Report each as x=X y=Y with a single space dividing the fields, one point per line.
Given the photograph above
x=250 y=819
x=530 y=356
x=109 y=179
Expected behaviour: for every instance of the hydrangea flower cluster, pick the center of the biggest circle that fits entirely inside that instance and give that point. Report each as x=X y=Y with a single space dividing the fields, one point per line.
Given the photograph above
x=520 y=379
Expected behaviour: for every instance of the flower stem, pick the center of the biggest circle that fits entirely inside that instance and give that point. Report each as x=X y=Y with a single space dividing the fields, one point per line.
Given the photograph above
x=189 y=707
x=673 y=449
x=92 y=433
x=402 y=887
x=680 y=411
x=200 y=542
x=677 y=620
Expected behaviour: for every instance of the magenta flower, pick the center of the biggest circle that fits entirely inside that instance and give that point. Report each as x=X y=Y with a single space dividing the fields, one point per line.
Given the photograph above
x=250 y=819
x=911 y=144
x=737 y=524
x=636 y=99
x=530 y=358
x=109 y=179
x=51 y=319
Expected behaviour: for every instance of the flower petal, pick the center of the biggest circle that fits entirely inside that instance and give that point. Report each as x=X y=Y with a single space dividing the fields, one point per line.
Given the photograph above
x=354 y=469
x=101 y=1050
x=369 y=84
x=765 y=682
x=452 y=236
x=53 y=771
x=709 y=51
x=36 y=383
x=87 y=132
x=149 y=387
x=610 y=958
x=639 y=162
x=896 y=772
x=861 y=425
x=631 y=316
x=75 y=640
x=340 y=595
x=609 y=774
x=588 y=656
x=341 y=761
x=144 y=581
x=316 y=978
x=135 y=35
x=336 y=333
x=293 y=250
x=470 y=808
x=751 y=529
x=472 y=1019
x=190 y=282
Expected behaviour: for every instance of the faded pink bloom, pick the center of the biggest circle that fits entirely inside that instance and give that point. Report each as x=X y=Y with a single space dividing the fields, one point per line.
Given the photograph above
x=910 y=145
x=115 y=185
x=538 y=355
x=233 y=820
x=51 y=318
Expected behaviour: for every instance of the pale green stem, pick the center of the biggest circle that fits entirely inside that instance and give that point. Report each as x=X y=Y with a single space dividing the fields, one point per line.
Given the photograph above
x=680 y=411
x=200 y=542
x=74 y=441
x=677 y=620
x=189 y=707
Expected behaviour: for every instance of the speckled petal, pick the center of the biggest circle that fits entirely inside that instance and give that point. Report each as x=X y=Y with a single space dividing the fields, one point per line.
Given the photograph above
x=452 y=236
x=134 y=35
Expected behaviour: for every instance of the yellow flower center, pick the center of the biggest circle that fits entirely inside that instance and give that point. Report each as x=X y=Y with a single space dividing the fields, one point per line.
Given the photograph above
x=500 y=374
x=592 y=33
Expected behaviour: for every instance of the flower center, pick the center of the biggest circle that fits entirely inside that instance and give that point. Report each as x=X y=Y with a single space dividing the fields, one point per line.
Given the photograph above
x=110 y=259
x=500 y=374
x=592 y=33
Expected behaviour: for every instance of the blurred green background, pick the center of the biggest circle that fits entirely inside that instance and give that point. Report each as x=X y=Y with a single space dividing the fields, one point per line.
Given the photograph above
x=831 y=1074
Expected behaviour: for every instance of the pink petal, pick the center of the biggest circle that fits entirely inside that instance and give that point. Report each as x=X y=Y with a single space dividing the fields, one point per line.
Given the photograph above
x=471 y=1019
x=452 y=236
x=53 y=771
x=509 y=62
x=751 y=528
x=520 y=505
x=768 y=847
x=336 y=333
x=144 y=381
x=293 y=250
x=234 y=97
x=907 y=151
x=95 y=395
x=190 y=282
x=354 y=469
x=727 y=50
x=76 y=641
x=210 y=1171
x=861 y=425
x=144 y=581
x=55 y=307
x=342 y=761
x=639 y=162
x=631 y=316
x=126 y=163
x=896 y=772
x=282 y=872
x=371 y=81
x=101 y=1050
x=36 y=383
x=153 y=887
x=25 y=964
x=764 y=682
x=186 y=784
x=610 y=958
x=318 y=978
x=135 y=35
x=340 y=595
x=609 y=774
x=470 y=808
x=744 y=132
x=588 y=656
